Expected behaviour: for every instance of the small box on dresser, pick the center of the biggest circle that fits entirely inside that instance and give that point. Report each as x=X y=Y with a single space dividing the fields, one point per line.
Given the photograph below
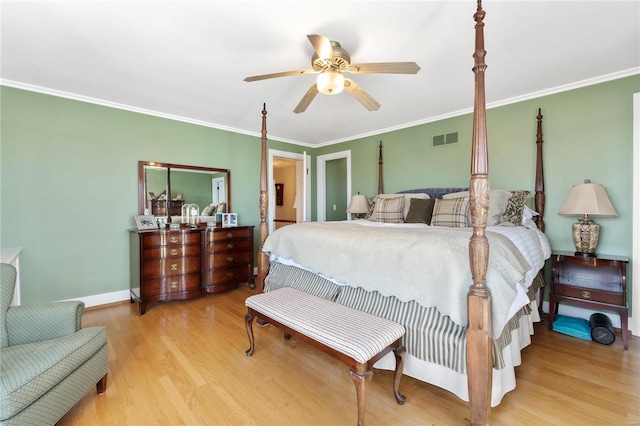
x=597 y=283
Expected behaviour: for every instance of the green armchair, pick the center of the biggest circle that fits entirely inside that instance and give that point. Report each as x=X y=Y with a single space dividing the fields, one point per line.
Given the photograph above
x=47 y=362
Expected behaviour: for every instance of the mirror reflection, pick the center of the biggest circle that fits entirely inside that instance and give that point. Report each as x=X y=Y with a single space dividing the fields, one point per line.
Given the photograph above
x=164 y=190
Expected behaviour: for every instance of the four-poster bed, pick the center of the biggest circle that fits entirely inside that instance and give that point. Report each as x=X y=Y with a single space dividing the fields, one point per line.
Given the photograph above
x=489 y=340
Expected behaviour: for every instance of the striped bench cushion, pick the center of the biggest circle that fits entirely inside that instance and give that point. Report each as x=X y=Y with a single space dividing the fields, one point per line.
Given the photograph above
x=356 y=334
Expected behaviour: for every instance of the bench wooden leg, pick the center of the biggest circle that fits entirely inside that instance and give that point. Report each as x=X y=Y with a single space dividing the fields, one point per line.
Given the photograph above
x=397 y=375
x=248 y=320
x=361 y=380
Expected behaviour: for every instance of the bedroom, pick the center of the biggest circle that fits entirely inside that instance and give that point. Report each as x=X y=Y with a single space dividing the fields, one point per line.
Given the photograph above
x=66 y=197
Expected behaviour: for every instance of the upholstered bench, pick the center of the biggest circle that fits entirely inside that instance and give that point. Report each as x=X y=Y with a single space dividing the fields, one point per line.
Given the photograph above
x=356 y=338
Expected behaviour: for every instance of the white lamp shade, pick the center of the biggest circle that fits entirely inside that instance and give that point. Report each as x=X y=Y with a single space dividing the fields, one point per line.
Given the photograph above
x=358 y=204
x=330 y=82
x=588 y=199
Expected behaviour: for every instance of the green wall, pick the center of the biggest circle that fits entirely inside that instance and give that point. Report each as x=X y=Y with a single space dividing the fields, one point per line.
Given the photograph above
x=69 y=185
x=69 y=173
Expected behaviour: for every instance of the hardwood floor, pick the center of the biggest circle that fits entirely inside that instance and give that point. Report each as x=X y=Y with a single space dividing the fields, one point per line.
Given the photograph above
x=183 y=363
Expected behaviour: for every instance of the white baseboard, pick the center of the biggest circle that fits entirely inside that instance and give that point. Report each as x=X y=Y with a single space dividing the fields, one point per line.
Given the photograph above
x=103 y=299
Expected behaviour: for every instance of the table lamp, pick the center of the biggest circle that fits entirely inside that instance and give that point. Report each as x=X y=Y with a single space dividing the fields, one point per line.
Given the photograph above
x=587 y=199
x=358 y=205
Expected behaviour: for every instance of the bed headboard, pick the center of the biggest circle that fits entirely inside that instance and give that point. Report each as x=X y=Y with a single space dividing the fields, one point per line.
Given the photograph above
x=432 y=192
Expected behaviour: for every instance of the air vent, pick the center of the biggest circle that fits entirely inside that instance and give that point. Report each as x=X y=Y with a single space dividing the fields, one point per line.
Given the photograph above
x=447 y=139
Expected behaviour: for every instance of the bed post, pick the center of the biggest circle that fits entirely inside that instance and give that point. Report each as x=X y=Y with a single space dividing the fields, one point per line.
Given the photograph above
x=263 y=259
x=479 y=333
x=380 y=185
x=539 y=198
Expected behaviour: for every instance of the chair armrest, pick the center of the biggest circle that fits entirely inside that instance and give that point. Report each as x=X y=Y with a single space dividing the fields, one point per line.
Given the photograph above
x=43 y=321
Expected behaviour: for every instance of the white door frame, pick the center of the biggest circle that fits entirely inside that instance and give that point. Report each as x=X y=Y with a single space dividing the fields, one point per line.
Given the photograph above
x=321 y=195
x=271 y=214
x=634 y=321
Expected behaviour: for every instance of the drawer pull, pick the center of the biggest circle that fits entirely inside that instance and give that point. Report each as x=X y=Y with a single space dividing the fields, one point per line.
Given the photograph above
x=229 y=274
x=230 y=259
x=174 y=284
x=230 y=245
x=174 y=252
x=173 y=267
x=586 y=294
x=173 y=239
x=229 y=234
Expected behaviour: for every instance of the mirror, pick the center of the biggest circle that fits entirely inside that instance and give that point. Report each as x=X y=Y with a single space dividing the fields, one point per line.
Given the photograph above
x=163 y=189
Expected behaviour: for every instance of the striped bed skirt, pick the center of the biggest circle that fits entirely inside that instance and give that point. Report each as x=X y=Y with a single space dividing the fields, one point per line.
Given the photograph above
x=429 y=336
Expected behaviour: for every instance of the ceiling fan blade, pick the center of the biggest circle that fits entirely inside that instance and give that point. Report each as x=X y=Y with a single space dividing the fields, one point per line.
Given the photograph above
x=384 y=68
x=280 y=74
x=361 y=96
x=306 y=99
x=322 y=46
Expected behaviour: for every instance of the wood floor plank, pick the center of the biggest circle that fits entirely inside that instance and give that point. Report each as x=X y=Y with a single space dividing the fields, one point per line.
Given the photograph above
x=185 y=363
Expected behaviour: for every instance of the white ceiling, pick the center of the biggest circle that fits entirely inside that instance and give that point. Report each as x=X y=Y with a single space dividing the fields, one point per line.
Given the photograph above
x=187 y=59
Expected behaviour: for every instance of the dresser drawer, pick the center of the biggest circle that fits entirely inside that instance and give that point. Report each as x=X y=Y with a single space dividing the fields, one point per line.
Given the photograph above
x=236 y=274
x=228 y=258
x=170 y=238
x=168 y=267
x=170 y=252
x=169 y=285
x=226 y=245
x=588 y=294
x=228 y=234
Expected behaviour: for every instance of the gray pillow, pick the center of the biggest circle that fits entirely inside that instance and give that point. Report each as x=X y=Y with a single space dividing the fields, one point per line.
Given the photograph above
x=420 y=210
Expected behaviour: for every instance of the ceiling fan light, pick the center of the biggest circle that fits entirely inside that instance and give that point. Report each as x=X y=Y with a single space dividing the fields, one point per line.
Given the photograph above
x=330 y=82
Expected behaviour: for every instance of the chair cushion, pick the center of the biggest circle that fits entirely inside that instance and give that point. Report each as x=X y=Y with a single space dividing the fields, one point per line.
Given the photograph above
x=28 y=371
x=357 y=334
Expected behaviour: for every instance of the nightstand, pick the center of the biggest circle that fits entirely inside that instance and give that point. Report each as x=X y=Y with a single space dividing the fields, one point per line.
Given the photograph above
x=597 y=283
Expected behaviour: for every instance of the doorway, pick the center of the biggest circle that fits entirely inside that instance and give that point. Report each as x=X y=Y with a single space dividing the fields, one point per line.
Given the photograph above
x=289 y=189
x=340 y=191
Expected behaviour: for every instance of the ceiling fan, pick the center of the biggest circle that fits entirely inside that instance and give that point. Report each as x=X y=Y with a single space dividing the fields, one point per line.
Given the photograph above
x=329 y=61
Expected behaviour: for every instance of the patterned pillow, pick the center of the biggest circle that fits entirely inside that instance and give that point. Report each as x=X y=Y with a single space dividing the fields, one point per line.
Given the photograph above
x=450 y=212
x=389 y=210
x=515 y=207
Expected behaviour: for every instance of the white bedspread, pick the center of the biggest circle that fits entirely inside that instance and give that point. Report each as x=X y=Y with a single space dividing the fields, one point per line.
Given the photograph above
x=416 y=262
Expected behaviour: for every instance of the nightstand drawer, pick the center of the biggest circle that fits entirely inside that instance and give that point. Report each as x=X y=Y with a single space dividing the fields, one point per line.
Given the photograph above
x=584 y=293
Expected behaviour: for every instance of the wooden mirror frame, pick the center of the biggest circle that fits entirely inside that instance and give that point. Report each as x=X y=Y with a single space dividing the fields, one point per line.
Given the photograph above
x=142 y=191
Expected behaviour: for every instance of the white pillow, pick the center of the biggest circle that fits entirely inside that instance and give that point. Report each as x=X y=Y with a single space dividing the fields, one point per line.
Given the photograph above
x=529 y=213
x=527 y=217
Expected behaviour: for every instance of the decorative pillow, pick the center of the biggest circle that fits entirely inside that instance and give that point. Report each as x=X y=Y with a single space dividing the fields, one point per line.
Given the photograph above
x=498 y=199
x=389 y=210
x=420 y=210
x=515 y=207
x=407 y=200
x=221 y=208
x=208 y=210
x=450 y=212
x=372 y=208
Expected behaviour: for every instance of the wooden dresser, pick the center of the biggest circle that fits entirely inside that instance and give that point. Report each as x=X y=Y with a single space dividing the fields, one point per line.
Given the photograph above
x=185 y=263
